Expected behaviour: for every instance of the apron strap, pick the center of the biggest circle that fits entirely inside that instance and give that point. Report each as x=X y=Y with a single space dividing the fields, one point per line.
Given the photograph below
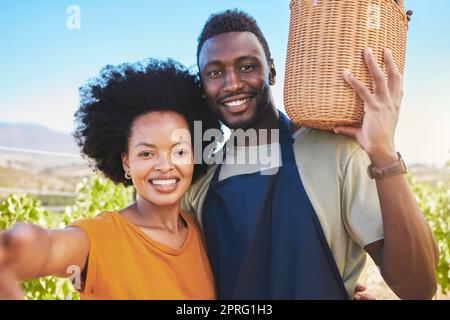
x=286 y=140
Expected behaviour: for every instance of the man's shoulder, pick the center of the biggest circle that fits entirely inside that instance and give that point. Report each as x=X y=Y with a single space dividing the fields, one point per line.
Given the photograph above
x=192 y=201
x=314 y=145
x=201 y=185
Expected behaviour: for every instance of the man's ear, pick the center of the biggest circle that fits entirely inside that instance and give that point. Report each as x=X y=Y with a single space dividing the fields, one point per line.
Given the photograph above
x=272 y=72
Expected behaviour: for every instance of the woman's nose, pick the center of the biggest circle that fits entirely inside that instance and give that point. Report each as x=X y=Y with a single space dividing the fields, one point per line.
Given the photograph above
x=165 y=163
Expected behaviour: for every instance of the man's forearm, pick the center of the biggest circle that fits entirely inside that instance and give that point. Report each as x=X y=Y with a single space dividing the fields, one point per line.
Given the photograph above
x=409 y=255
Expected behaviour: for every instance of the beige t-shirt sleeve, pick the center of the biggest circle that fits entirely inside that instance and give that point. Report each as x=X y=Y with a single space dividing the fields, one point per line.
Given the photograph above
x=360 y=204
x=186 y=204
x=193 y=199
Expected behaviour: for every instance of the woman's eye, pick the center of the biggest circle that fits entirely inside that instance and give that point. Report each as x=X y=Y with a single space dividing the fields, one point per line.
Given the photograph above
x=180 y=153
x=146 y=154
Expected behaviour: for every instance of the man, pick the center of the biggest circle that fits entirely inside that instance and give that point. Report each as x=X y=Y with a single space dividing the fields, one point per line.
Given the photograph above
x=302 y=232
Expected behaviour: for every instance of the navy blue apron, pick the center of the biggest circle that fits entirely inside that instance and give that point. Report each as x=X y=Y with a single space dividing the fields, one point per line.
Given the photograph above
x=263 y=237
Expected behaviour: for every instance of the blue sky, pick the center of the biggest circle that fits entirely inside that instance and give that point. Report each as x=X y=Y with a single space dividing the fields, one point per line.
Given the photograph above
x=42 y=62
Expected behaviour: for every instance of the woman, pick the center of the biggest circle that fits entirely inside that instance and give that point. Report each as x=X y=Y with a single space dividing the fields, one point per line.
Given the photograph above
x=135 y=124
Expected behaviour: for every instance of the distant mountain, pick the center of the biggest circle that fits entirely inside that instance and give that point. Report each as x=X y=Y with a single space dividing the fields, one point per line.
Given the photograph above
x=32 y=136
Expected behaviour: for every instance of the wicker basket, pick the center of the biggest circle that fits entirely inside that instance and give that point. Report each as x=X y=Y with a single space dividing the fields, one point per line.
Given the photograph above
x=327 y=36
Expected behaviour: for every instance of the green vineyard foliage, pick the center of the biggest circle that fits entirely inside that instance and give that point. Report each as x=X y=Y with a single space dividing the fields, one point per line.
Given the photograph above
x=435 y=204
x=98 y=194
x=93 y=196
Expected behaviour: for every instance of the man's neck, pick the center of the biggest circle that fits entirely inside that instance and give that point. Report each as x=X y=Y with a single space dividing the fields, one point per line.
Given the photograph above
x=269 y=120
x=263 y=129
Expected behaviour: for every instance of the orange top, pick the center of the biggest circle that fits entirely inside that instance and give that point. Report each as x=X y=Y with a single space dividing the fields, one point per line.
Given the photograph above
x=124 y=263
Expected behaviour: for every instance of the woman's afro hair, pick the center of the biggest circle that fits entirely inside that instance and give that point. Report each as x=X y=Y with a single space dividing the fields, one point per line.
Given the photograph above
x=110 y=103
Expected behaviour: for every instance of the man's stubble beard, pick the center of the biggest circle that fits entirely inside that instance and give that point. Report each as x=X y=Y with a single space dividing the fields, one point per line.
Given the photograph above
x=261 y=110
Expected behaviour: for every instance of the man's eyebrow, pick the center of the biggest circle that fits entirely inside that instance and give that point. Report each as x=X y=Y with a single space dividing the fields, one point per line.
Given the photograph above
x=210 y=63
x=246 y=57
x=218 y=62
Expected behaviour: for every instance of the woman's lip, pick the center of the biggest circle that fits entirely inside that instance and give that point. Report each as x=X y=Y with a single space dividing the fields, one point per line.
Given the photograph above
x=164 y=178
x=165 y=188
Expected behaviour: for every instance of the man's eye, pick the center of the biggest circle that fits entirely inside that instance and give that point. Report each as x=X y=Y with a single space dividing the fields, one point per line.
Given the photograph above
x=214 y=73
x=247 y=68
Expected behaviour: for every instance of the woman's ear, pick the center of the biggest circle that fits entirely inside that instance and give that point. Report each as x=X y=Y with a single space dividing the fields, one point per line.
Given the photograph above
x=272 y=72
x=126 y=166
x=125 y=162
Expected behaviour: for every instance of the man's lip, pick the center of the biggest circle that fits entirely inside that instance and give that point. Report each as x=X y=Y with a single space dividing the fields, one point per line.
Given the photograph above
x=242 y=107
x=237 y=98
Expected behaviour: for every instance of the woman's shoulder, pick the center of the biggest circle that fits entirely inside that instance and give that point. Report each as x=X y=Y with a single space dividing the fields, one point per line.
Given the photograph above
x=104 y=221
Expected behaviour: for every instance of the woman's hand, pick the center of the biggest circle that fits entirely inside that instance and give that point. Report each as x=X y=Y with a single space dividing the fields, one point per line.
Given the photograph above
x=9 y=289
x=381 y=109
x=13 y=252
x=28 y=251
x=24 y=250
x=360 y=295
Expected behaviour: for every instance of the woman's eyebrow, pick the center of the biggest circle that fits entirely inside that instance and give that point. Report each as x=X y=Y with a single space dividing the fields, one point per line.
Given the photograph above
x=144 y=144
x=149 y=145
x=180 y=142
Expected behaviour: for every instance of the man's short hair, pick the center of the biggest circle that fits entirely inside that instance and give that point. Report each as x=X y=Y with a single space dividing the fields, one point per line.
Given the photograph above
x=231 y=21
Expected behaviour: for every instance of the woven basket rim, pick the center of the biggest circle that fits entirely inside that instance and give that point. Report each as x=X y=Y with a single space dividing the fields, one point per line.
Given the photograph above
x=308 y=70
x=400 y=8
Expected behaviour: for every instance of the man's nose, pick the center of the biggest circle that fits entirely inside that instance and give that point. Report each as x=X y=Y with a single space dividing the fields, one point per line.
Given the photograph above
x=233 y=82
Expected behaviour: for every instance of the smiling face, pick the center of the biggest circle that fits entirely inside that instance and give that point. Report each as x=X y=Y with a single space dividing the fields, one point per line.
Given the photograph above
x=160 y=158
x=236 y=78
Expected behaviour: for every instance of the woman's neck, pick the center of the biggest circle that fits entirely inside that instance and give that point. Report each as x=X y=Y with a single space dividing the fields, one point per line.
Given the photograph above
x=148 y=215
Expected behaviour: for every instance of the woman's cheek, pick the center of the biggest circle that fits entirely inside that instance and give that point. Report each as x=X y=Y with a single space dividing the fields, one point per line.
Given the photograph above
x=141 y=167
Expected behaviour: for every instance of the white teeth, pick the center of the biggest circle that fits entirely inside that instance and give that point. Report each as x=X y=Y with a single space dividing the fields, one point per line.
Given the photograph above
x=164 y=182
x=236 y=103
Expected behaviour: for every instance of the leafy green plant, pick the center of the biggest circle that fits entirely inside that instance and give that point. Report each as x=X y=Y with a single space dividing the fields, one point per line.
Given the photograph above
x=50 y=288
x=435 y=204
x=97 y=194
x=22 y=208
x=25 y=208
x=94 y=195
